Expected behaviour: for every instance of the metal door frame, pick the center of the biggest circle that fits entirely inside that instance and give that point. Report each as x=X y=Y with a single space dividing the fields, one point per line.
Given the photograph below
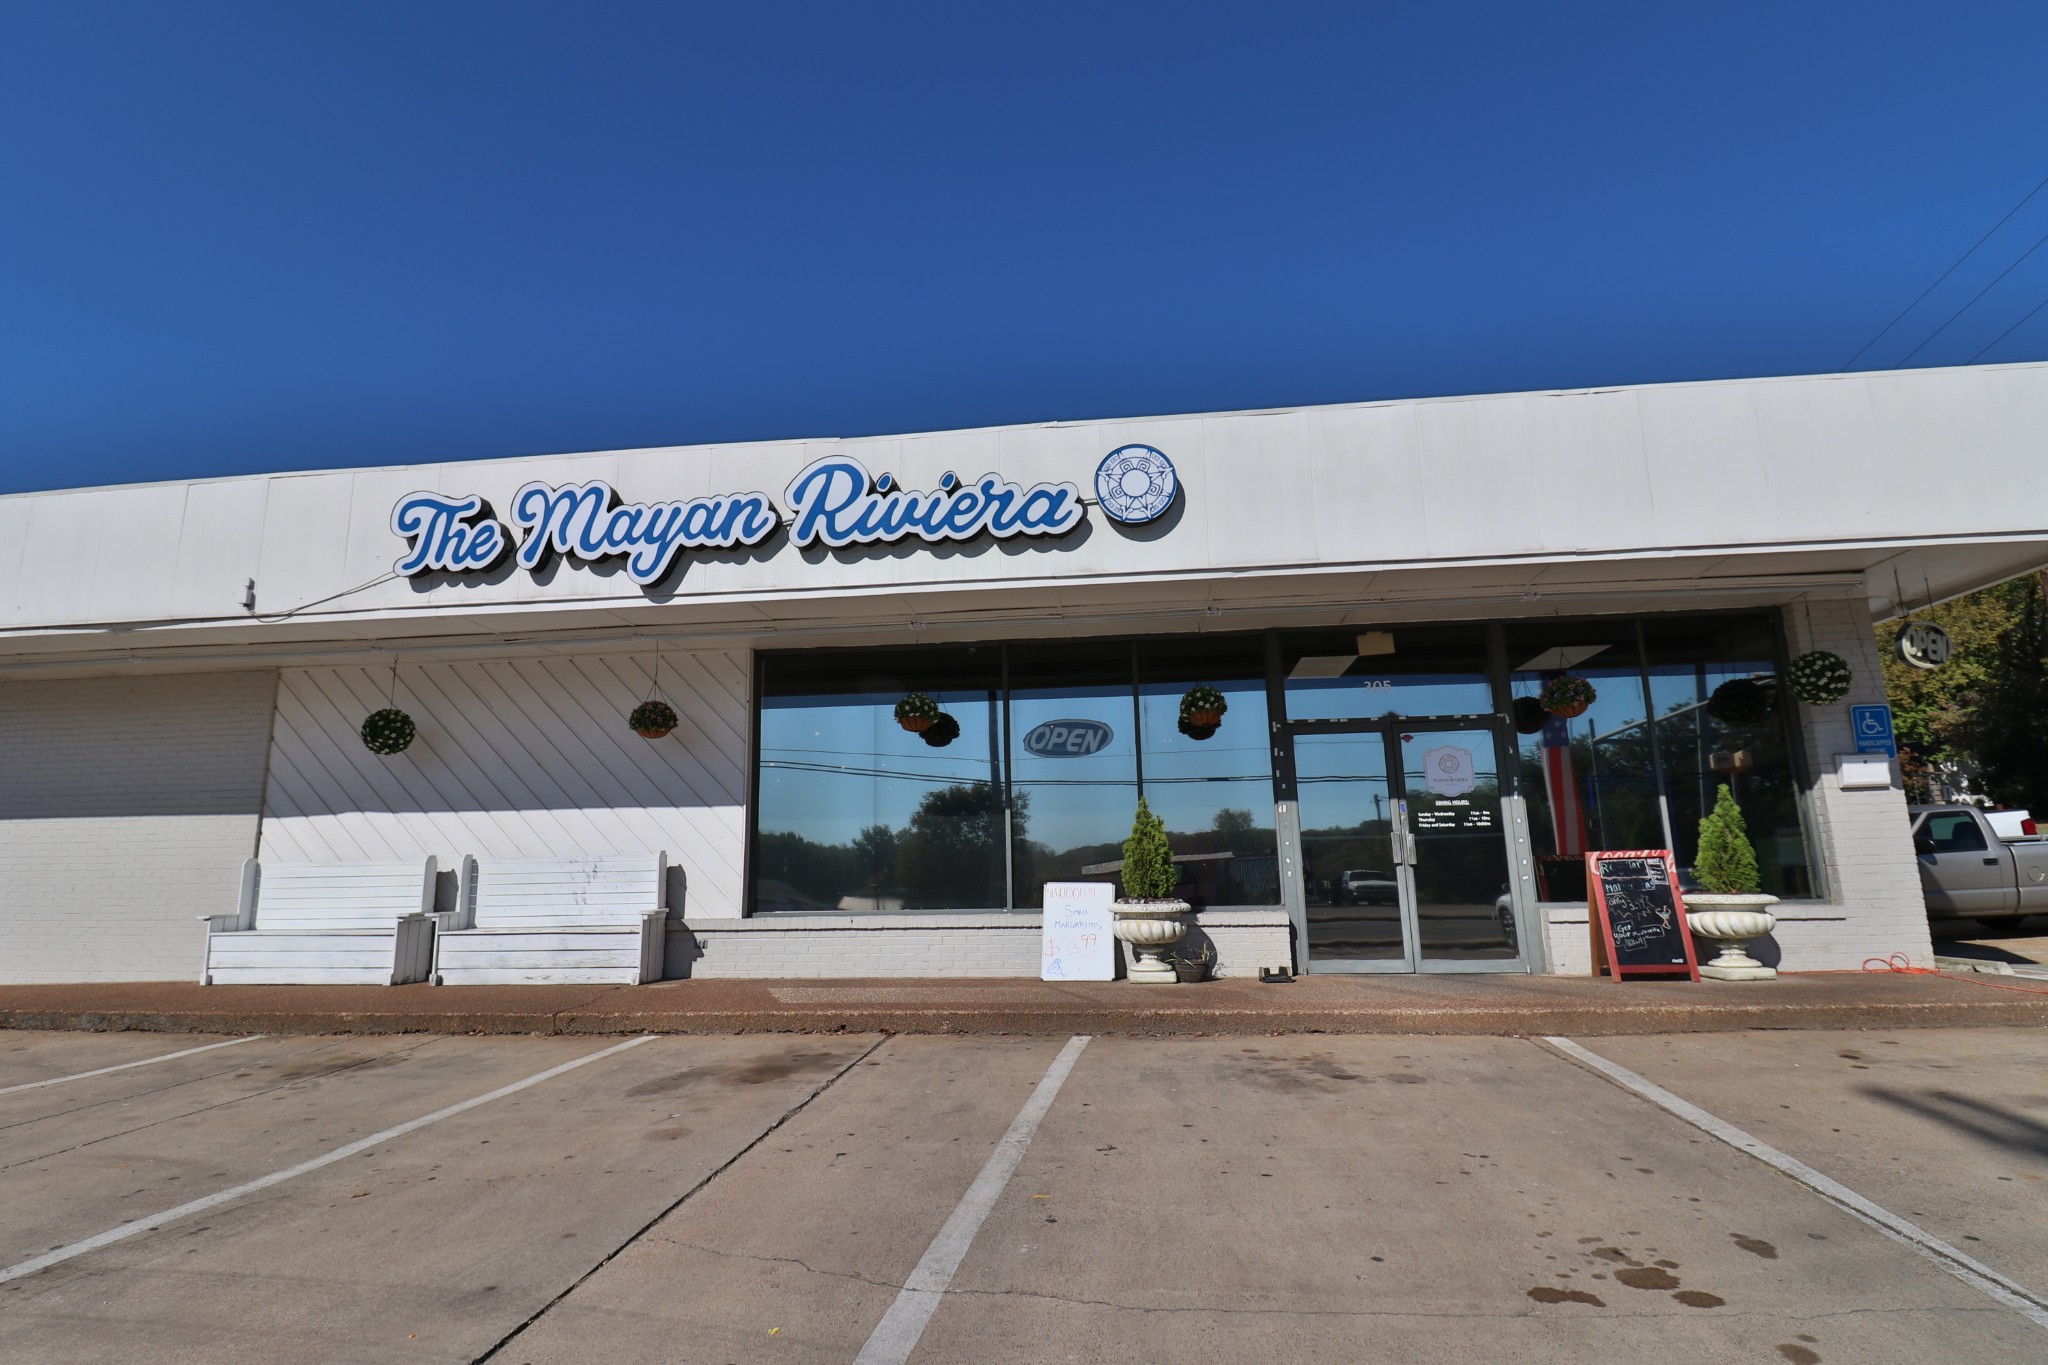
x=1410 y=962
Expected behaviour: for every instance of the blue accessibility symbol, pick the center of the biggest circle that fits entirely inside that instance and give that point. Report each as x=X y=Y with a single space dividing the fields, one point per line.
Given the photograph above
x=1872 y=726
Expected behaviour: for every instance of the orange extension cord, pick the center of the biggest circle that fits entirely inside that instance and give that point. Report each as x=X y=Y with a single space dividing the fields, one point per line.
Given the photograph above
x=1899 y=962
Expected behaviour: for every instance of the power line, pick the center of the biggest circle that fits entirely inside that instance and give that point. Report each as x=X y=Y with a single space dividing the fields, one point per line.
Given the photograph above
x=1944 y=275
x=2039 y=243
x=2010 y=330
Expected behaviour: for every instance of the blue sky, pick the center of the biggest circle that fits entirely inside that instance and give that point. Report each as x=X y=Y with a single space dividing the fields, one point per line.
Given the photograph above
x=257 y=236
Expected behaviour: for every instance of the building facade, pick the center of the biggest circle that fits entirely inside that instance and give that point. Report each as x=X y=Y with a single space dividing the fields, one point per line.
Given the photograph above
x=1386 y=671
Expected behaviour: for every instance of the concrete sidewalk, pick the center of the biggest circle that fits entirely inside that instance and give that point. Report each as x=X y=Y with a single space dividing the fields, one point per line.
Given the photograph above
x=1497 y=1005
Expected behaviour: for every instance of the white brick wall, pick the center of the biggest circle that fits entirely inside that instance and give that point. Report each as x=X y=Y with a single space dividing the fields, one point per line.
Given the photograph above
x=126 y=808
x=1873 y=880
x=927 y=945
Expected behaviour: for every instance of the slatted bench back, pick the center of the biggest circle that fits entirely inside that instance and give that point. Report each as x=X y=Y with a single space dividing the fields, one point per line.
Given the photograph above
x=533 y=893
x=317 y=897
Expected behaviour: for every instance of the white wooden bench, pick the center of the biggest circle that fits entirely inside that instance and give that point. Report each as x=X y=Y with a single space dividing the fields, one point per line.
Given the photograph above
x=356 y=923
x=555 y=919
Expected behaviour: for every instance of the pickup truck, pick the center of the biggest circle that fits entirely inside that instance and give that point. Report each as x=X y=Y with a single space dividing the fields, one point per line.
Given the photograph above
x=1968 y=872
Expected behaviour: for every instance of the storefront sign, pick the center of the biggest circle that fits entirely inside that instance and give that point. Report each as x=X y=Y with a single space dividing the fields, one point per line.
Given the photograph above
x=833 y=502
x=1068 y=738
x=1923 y=644
x=836 y=503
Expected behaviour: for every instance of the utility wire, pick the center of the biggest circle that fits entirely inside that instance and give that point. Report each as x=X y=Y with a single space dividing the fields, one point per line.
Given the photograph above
x=1944 y=275
x=2038 y=244
x=2010 y=330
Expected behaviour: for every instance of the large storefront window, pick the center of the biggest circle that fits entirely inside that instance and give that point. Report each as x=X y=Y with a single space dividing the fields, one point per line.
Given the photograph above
x=1073 y=763
x=1589 y=780
x=1046 y=747
x=857 y=815
x=1721 y=721
x=1213 y=791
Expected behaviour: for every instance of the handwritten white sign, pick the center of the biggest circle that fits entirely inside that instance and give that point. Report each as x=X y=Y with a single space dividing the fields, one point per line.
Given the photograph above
x=1079 y=943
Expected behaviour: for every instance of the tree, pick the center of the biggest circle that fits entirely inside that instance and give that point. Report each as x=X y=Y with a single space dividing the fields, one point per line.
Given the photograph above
x=1984 y=708
x=1726 y=865
x=2005 y=724
x=952 y=853
x=1149 y=873
x=1931 y=707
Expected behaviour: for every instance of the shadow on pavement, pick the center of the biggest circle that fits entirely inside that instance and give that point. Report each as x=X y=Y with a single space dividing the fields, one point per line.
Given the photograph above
x=1993 y=1124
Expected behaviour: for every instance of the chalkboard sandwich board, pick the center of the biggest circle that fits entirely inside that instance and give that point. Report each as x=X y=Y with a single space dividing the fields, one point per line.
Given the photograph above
x=1637 y=917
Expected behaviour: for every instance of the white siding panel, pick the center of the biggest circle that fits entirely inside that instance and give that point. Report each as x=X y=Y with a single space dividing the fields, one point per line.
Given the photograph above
x=522 y=759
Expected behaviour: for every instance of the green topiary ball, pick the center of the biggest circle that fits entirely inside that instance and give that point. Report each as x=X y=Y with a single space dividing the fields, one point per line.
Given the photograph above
x=1819 y=678
x=388 y=732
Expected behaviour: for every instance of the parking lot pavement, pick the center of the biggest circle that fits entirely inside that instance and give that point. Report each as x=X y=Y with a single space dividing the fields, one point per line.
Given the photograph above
x=812 y=1236
x=2020 y=942
x=1947 y=1127
x=36 y=1059
x=1397 y=1199
x=428 y=1248
x=765 y=1198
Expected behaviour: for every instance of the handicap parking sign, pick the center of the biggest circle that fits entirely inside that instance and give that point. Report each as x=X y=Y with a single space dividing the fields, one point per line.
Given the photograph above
x=1873 y=727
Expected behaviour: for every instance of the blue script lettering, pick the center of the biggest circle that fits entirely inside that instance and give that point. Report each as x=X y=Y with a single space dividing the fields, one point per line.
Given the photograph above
x=444 y=538
x=587 y=521
x=834 y=502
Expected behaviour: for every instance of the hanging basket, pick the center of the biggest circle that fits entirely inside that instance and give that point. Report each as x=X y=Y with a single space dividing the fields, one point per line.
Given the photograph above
x=1568 y=695
x=1529 y=716
x=941 y=732
x=1202 y=708
x=917 y=713
x=652 y=719
x=1819 y=678
x=1194 y=731
x=1740 y=701
x=389 y=731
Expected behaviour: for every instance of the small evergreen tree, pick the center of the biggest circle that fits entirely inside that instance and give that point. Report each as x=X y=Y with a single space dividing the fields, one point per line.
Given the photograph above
x=1149 y=873
x=1726 y=865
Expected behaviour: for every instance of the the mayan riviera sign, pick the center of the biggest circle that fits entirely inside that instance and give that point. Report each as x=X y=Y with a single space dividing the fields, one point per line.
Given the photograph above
x=833 y=502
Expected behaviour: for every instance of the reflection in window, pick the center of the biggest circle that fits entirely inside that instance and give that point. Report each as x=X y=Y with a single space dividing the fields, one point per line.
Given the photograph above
x=1705 y=743
x=857 y=814
x=1073 y=763
x=1589 y=780
x=1214 y=791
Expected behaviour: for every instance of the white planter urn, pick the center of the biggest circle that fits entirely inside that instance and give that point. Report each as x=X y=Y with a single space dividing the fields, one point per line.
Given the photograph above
x=1732 y=921
x=1146 y=927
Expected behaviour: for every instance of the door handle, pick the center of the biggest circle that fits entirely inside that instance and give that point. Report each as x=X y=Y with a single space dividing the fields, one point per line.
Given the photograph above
x=1991 y=862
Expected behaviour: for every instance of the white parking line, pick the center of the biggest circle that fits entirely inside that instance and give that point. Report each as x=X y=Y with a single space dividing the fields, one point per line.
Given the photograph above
x=146 y=1061
x=896 y=1335
x=1970 y=1271
x=342 y=1153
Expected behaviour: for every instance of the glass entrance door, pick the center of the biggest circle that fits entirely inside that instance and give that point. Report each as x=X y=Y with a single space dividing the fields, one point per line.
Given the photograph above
x=1352 y=875
x=1457 y=853
x=1403 y=848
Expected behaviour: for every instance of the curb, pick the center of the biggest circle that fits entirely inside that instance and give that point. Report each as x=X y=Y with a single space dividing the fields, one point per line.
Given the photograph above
x=1518 y=1020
